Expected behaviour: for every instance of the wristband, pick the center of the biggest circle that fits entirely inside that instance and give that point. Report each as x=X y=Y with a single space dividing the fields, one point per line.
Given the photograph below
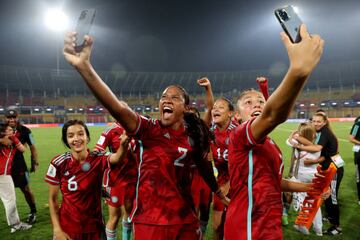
x=15 y=140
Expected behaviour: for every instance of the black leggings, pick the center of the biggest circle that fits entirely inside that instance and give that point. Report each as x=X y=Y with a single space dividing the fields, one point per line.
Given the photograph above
x=331 y=204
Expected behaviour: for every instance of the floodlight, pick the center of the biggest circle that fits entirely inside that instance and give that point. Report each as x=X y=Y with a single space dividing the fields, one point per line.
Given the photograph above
x=56 y=20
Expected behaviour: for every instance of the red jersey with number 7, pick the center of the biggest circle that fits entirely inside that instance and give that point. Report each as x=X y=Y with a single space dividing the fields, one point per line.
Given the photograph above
x=80 y=185
x=164 y=180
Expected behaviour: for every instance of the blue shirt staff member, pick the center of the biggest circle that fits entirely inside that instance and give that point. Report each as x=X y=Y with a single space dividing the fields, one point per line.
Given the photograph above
x=355 y=139
x=20 y=173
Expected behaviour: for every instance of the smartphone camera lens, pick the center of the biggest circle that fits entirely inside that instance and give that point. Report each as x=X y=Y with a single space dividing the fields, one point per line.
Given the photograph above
x=283 y=15
x=83 y=14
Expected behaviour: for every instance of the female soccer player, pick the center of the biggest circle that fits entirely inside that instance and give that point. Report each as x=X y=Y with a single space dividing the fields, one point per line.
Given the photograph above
x=255 y=162
x=222 y=114
x=168 y=147
x=7 y=189
x=78 y=175
x=119 y=182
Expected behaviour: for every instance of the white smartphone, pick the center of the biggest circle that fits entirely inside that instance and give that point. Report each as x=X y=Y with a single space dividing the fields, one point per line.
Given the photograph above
x=290 y=22
x=83 y=27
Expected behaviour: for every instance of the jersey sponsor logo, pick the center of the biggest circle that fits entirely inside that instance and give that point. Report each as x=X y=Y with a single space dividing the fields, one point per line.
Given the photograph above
x=51 y=171
x=85 y=167
x=227 y=140
x=101 y=140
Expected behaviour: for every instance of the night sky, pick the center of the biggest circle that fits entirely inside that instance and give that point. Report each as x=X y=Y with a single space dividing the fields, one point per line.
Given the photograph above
x=172 y=35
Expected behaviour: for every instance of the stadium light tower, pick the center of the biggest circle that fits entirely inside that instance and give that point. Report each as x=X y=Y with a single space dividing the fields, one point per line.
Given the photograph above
x=57 y=21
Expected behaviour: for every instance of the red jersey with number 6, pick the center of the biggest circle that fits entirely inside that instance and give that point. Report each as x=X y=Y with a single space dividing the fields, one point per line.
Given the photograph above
x=164 y=183
x=80 y=185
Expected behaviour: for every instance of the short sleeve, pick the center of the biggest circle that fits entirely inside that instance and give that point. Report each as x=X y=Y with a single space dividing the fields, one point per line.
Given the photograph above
x=102 y=143
x=52 y=176
x=143 y=126
x=243 y=136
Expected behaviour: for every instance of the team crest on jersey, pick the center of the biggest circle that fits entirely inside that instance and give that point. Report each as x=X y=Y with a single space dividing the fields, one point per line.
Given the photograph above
x=114 y=199
x=51 y=171
x=167 y=135
x=85 y=167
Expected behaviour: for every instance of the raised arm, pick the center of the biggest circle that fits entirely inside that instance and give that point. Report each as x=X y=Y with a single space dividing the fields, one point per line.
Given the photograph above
x=303 y=56
x=205 y=82
x=81 y=62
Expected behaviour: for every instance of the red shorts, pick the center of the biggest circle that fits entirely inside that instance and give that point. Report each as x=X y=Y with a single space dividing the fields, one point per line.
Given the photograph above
x=190 y=231
x=200 y=191
x=122 y=194
x=86 y=236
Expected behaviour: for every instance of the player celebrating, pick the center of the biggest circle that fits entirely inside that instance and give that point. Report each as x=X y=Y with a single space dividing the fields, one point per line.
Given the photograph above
x=168 y=147
x=119 y=182
x=255 y=162
x=78 y=175
x=222 y=114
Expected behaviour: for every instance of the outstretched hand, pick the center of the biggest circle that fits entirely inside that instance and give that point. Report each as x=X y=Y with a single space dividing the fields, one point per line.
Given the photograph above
x=71 y=55
x=305 y=55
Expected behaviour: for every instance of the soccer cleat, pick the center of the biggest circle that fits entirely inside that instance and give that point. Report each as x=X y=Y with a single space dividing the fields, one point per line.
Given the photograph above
x=333 y=231
x=284 y=220
x=31 y=218
x=20 y=227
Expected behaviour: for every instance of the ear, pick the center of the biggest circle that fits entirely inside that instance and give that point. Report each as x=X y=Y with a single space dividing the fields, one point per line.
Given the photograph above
x=187 y=108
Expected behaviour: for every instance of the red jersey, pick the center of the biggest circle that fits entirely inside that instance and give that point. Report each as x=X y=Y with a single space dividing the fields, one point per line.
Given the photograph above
x=6 y=157
x=256 y=170
x=120 y=173
x=219 y=149
x=164 y=181
x=80 y=185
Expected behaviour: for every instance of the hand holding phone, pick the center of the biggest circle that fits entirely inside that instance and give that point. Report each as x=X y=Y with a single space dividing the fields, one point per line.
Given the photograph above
x=83 y=27
x=290 y=22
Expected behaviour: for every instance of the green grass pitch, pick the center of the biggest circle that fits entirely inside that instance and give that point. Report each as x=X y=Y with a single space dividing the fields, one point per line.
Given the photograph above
x=48 y=142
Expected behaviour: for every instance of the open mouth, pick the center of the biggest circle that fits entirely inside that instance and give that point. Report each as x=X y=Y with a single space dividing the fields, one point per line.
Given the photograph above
x=167 y=111
x=256 y=113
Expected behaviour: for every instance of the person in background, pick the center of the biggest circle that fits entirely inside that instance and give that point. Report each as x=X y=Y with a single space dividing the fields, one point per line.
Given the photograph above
x=20 y=173
x=354 y=138
x=119 y=182
x=305 y=168
x=9 y=145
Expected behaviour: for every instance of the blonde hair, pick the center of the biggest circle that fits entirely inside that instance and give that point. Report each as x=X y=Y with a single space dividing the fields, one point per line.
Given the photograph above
x=307 y=130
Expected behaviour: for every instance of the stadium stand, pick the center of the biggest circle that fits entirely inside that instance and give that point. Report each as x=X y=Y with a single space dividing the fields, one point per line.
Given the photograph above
x=47 y=95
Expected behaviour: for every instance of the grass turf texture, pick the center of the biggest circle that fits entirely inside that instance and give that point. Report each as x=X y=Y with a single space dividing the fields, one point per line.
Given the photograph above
x=48 y=142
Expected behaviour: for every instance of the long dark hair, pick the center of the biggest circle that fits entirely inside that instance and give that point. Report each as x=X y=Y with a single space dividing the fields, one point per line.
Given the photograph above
x=200 y=136
x=71 y=123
